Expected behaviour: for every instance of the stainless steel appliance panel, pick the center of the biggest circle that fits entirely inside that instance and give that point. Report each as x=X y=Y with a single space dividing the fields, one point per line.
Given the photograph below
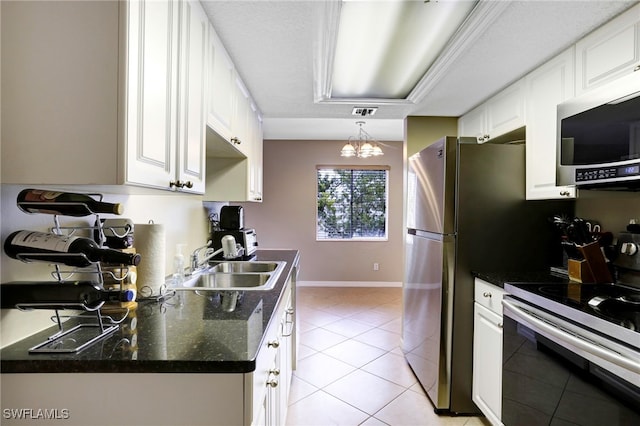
x=428 y=317
x=559 y=372
x=430 y=182
x=598 y=138
x=474 y=195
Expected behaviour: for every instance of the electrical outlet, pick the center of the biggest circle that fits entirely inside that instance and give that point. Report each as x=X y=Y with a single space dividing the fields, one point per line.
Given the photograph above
x=376 y=266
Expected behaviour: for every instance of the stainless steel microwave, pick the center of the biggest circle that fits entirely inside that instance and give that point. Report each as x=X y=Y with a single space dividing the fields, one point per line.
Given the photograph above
x=599 y=137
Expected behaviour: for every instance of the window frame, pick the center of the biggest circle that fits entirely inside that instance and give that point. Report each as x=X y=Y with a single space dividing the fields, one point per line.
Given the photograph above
x=387 y=171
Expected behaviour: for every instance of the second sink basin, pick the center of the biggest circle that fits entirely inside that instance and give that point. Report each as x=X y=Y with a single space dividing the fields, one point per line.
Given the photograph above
x=230 y=281
x=237 y=266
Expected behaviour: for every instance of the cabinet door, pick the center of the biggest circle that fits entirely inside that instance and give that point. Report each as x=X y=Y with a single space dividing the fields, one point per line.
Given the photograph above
x=255 y=158
x=609 y=52
x=487 y=363
x=221 y=88
x=192 y=110
x=152 y=92
x=473 y=124
x=242 y=115
x=285 y=356
x=547 y=86
x=505 y=111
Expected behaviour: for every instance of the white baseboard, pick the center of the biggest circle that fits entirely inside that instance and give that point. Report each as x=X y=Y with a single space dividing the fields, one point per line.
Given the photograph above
x=349 y=284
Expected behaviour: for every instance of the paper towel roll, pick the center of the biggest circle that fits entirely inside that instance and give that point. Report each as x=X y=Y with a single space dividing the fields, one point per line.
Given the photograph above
x=150 y=243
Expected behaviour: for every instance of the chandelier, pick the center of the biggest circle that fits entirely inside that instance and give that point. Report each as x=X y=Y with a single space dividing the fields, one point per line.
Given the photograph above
x=361 y=146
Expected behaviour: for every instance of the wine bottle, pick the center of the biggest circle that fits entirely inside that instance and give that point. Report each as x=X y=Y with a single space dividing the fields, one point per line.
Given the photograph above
x=63 y=203
x=52 y=248
x=58 y=295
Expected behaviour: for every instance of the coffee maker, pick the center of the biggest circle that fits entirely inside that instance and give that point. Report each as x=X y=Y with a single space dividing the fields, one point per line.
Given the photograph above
x=232 y=223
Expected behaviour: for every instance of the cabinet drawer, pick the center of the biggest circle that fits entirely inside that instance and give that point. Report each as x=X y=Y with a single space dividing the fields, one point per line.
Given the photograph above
x=489 y=296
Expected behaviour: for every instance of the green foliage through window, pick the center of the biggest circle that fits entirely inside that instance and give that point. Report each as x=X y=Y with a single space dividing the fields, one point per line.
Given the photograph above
x=352 y=203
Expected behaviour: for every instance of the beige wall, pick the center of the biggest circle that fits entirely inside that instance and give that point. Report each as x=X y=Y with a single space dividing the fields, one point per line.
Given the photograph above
x=422 y=131
x=287 y=216
x=612 y=209
x=185 y=221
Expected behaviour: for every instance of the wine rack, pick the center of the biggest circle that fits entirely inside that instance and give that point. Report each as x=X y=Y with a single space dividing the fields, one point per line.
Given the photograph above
x=83 y=333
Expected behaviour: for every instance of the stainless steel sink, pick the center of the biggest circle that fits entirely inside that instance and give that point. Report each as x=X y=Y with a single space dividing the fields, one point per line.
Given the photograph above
x=236 y=276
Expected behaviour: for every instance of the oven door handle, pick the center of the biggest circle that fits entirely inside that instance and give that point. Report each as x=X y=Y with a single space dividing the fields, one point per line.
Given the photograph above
x=575 y=340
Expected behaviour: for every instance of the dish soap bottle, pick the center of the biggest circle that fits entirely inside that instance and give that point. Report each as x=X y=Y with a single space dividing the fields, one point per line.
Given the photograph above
x=178 y=266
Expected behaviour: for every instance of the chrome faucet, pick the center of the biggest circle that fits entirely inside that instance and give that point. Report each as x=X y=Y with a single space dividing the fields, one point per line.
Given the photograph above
x=196 y=263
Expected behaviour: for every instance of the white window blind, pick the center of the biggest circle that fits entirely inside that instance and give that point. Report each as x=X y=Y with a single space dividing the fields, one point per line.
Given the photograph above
x=351 y=203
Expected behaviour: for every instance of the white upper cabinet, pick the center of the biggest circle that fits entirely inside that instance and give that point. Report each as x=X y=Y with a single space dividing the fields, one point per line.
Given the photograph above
x=505 y=111
x=234 y=163
x=474 y=123
x=547 y=86
x=151 y=92
x=500 y=114
x=242 y=119
x=193 y=97
x=166 y=94
x=221 y=88
x=609 y=52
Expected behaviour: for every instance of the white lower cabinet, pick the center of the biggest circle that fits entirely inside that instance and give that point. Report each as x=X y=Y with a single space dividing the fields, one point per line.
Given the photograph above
x=487 y=350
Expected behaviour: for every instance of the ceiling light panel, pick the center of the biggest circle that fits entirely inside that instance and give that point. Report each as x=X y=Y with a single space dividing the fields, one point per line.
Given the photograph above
x=384 y=47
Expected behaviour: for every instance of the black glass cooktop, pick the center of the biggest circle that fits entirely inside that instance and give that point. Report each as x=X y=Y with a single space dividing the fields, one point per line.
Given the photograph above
x=612 y=302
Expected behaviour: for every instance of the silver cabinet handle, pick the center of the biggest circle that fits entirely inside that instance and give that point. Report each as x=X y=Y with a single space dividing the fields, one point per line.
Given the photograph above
x=637 y=68
x=272 y=383
x=235 y=141
x=289 y=324
x=565 y=193
x=273 y=344
x=486 y=294
x=274 y=371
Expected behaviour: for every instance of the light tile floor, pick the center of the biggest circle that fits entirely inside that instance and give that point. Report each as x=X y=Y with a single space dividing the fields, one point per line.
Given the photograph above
x=351 y=370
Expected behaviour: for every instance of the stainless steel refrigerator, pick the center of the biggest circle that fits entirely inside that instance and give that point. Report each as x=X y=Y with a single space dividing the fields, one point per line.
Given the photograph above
x=466 y=211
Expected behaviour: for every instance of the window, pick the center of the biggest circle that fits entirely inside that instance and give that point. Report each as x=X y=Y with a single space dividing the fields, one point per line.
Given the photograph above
x=352 y=203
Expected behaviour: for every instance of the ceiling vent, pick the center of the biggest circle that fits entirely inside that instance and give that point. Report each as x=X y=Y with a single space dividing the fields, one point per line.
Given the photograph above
x=363 y=112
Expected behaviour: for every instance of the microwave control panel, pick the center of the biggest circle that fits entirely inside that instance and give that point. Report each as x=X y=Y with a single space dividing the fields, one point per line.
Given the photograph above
x=601 y=173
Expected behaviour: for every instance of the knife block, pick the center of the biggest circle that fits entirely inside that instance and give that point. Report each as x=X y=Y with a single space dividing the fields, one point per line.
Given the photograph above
x=593 y=269
x=579 y=271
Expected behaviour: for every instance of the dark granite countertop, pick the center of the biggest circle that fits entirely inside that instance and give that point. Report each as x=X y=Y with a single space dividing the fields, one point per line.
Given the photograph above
x=535 y=276
x=195 y=336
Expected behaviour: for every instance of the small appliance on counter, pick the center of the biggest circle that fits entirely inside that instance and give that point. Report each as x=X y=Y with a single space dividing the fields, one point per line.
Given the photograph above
x=232 y=223
x=231 y=218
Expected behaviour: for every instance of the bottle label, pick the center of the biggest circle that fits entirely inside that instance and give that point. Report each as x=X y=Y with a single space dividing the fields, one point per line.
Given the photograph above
x=41 y=196
x=41 y=240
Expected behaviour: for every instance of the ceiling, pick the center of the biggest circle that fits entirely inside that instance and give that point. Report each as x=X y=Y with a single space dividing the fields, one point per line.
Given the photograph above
x=274 y=45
